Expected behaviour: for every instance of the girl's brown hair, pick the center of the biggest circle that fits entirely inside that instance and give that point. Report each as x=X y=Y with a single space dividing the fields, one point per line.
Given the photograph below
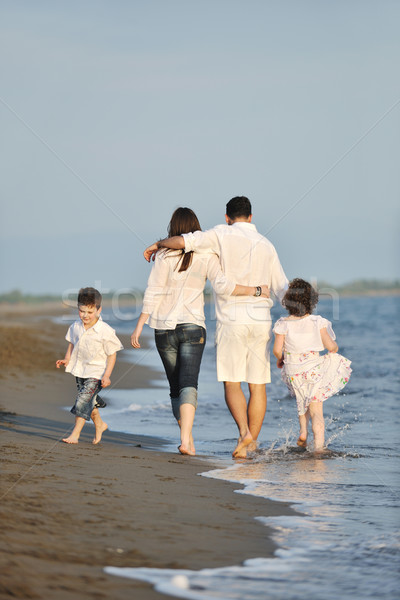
x=182 y=221
x=300 y=299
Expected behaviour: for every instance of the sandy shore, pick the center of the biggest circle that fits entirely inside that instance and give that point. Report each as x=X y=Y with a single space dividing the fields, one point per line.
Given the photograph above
x=69 y=511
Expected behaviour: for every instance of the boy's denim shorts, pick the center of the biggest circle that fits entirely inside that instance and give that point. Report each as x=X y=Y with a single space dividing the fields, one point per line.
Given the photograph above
x=86 y=400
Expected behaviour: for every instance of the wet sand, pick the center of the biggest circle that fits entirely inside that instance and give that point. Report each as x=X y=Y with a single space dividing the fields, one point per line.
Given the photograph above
x=70 y=510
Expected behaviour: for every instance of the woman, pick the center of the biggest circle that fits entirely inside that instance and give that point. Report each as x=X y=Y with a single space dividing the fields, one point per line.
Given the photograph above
x=173 y=305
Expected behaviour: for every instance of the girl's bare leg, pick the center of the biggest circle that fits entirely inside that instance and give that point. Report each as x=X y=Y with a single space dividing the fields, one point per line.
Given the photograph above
x=318 y=425
x=303 y=420
x=76 y=432
x=99 y=424
x=187 y=412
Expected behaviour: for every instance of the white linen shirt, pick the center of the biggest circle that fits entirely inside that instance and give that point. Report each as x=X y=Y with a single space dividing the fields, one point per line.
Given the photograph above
x=303 y=335
x=174 y=297
x=247 y=258
x=91 y=348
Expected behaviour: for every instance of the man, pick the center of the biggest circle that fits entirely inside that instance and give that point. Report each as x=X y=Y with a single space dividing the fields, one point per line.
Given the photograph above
x=243 y=332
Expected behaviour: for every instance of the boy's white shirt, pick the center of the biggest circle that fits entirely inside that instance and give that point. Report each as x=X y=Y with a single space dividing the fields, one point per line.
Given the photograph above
x=247 y=258
x=91 y=348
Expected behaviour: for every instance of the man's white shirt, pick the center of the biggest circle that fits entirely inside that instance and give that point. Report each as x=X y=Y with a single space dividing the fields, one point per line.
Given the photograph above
x=247 y=258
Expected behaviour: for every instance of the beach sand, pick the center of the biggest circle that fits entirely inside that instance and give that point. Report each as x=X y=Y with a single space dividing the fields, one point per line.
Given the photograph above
x=70 y=510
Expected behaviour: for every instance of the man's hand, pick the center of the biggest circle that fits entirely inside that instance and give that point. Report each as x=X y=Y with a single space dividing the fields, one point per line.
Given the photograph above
x=280 y=363
x=150 y=252
x=265 y=291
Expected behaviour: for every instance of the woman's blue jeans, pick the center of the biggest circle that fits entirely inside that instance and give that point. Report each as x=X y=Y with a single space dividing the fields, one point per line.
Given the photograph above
x=181 y=351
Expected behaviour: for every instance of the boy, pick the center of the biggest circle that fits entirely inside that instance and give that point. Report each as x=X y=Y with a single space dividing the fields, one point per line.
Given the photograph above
x=90 y=356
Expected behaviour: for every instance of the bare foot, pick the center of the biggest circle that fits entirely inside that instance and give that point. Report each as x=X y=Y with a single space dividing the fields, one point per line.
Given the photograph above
x=319 y=450
x=252 y=446
x=302 y=442
x=99 y=433
x=241 y=449
x=242 y=453
x=186 y=451
x=70 y=440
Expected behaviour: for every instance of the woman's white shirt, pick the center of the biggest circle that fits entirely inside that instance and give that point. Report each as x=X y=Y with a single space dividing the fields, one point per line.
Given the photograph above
x=174 y=297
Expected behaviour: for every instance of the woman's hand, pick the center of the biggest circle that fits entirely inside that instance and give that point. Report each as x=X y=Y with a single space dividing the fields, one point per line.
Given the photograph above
x=280 y=363
x=135 y=337
x=137 y=332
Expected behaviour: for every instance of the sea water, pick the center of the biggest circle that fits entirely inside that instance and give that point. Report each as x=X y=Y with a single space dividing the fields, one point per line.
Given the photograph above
x=345 y=542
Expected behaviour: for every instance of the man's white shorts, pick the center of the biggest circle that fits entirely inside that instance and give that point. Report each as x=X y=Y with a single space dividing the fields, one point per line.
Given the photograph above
x=243 y=352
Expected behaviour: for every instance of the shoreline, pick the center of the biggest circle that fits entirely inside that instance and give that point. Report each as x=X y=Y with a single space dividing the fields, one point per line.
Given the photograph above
x=58 y=307
x=73 y=510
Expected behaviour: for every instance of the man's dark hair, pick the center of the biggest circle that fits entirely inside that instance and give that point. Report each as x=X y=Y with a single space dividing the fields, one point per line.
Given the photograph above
x=237 y=207
x=89 y=297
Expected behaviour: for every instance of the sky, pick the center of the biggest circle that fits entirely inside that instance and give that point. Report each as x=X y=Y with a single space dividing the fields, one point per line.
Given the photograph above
x=113 y=114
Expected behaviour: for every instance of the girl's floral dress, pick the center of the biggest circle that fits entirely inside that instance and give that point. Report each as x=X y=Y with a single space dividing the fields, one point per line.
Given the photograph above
x=309 y=376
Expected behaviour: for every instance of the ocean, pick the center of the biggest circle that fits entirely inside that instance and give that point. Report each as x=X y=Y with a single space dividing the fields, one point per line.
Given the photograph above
x=345 y=543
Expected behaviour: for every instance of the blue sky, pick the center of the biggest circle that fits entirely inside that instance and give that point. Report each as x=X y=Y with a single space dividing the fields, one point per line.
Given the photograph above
x=114 y=113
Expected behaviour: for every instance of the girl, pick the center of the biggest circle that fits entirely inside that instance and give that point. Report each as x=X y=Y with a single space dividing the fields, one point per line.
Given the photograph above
x=310 y=377
x=173 y=305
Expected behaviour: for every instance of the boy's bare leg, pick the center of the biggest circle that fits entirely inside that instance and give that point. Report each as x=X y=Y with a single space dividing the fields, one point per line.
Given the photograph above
x=76 y=432
x=318 y=425
x=187 y=412
x=236 y=402
x=303 y=421
x=99 y=424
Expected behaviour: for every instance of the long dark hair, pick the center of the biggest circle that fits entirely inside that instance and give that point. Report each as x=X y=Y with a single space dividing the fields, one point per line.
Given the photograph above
x=183 y=220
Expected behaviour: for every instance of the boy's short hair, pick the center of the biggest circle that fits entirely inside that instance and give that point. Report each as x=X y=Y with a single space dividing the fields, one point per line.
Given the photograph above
x=89 y=297
x=237 y=207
